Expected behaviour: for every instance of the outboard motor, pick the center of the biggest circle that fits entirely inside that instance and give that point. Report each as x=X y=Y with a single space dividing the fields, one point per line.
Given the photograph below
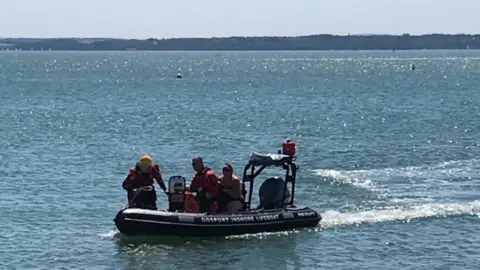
x=271 y=192
x=176 y=193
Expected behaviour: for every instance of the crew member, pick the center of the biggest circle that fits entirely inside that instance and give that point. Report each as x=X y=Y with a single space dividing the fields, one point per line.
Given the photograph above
x=230 y=193
x=141 y=176
x=205 y=184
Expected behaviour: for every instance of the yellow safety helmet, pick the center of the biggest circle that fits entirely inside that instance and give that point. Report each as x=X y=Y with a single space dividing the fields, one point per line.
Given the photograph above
x=146 y=159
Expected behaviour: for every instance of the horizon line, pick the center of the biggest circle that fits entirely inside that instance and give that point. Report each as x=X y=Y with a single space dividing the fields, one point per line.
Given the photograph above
x=240 y=36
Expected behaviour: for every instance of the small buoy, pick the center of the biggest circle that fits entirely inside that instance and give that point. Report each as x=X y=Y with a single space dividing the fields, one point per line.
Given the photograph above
x=179 y=76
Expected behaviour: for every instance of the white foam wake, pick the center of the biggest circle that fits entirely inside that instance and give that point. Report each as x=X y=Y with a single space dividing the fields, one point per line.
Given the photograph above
x=109 y=234
x=355 y=178
x=384 y=179
x=333 y=218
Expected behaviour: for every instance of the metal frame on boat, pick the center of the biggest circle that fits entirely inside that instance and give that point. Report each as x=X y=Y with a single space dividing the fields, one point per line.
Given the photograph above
x=256 y=165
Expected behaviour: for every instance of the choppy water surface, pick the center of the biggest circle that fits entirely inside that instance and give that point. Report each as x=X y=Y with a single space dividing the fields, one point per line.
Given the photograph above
x=389 y=156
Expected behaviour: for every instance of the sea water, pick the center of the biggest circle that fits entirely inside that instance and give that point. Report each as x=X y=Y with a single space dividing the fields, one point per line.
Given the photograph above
x=390 y=157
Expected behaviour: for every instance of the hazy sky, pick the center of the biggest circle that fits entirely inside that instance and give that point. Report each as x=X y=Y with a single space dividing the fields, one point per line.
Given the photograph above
x=207 y=18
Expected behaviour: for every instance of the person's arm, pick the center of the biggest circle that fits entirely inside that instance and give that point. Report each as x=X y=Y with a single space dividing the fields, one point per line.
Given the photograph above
x=236 y=190
x=128 y=182
x=159 y=178
x=194 y=184
x=211 y=186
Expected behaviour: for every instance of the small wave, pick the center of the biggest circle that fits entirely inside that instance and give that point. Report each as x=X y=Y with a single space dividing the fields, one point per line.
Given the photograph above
x=109 y=235
x=411 y=200
x=333 y=218
x=439 y=171
x=369 y=58
x=261 y=235
x=355 y=178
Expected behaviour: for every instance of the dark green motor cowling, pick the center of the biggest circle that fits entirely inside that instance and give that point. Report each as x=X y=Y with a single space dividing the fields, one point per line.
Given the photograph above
x=271 y=192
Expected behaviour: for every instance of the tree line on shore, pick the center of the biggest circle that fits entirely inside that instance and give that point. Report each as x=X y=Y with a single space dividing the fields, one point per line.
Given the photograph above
x=312 y=42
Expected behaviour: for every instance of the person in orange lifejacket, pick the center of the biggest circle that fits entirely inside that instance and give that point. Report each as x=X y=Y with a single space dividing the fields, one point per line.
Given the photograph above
x=143 y=175
x=205 y=184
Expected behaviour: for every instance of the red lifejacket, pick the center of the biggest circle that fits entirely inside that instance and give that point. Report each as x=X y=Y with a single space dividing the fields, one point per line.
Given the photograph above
x=137 y=179
x=207 y=180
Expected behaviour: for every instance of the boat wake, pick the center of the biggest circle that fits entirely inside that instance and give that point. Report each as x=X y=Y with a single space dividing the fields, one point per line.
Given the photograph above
x=439 y=190
x=452 y=178
x=332 y=218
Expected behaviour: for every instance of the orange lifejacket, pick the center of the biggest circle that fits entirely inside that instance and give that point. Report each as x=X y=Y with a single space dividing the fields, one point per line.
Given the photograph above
x=191 y=204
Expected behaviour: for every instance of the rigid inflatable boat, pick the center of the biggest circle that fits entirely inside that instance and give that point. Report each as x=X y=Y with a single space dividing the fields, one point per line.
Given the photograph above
x=268 y=217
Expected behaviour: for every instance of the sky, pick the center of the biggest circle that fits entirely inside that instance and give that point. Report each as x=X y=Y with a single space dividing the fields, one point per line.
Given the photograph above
x=221 y=18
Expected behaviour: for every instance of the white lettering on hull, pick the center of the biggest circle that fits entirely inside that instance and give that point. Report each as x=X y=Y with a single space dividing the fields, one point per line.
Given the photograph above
x=267 y=218
x=240 y=219
x=306 y=214
x=215 y=219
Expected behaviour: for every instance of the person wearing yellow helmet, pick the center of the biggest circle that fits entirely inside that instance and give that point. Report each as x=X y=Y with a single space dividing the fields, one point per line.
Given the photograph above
x=143 y=175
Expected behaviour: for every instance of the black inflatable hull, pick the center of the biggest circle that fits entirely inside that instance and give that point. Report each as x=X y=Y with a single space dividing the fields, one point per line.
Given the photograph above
x=150 y=222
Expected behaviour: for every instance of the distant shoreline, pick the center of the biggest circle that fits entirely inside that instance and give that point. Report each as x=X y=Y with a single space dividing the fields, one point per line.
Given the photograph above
x=300 y=43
